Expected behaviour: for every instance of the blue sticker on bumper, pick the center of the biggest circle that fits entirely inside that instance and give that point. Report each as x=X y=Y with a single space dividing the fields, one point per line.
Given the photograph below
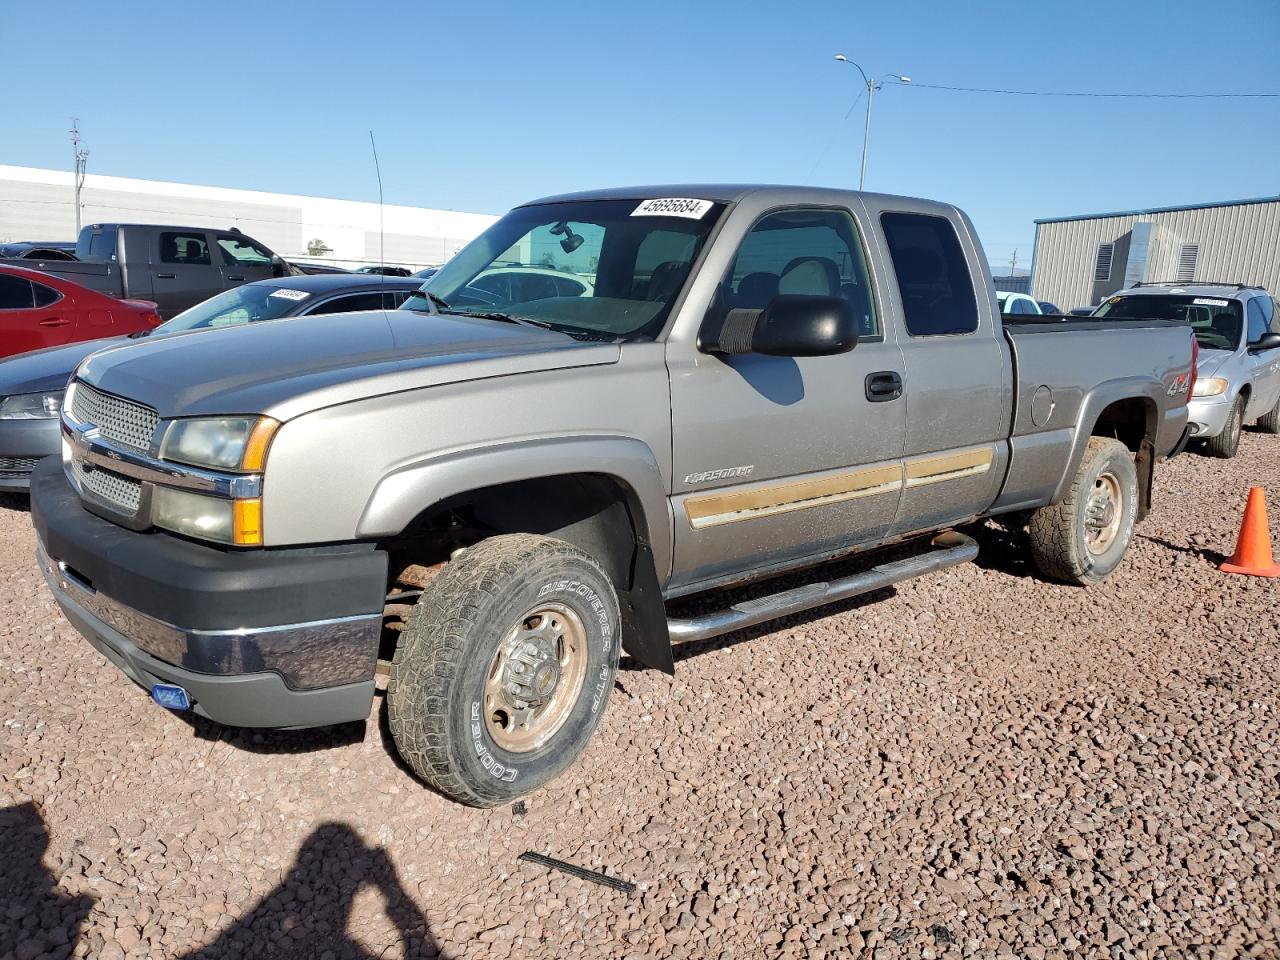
x=170 y=696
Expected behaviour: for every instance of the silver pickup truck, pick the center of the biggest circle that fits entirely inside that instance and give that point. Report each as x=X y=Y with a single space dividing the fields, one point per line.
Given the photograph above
x=496 y=498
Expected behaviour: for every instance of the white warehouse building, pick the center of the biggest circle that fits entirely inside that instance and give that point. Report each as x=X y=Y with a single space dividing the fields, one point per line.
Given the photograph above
x=37 y=204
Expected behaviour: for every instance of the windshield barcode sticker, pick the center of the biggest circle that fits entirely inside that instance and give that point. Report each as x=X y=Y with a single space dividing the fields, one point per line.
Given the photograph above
x=289 y=294
x=1211 y=301
x=673 y=207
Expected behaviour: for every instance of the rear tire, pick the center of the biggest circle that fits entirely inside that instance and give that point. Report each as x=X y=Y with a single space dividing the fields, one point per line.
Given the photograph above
x=1226 y=443
x=1083 y=539
x=504 y=668
x=1269 y=422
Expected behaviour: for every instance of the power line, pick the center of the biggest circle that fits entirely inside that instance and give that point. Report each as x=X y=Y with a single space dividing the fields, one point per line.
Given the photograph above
x=1110 y=96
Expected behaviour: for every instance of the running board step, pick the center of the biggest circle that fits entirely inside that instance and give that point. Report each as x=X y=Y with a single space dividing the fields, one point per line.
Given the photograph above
x=950 y=549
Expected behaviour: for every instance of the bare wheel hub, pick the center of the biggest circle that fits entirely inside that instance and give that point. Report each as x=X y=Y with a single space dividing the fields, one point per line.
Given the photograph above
x=1102 y=513
x=535 y=678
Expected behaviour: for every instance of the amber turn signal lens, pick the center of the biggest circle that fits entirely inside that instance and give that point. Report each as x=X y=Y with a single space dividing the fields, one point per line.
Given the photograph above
x=246 y=522
x=255 y=450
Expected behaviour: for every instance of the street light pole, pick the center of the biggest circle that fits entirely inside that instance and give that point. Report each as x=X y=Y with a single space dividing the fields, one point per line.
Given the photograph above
x=872 y=87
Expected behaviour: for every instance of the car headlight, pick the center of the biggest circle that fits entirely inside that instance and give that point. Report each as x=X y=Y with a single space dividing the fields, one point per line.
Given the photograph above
x=32 y=406
x=1209 y=387
x=220 y=443
x=236 y=522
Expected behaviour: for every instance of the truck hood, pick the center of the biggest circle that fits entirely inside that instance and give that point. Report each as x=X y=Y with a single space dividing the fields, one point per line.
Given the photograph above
x=1211 y=361
x=47 y=369
x=284 y=368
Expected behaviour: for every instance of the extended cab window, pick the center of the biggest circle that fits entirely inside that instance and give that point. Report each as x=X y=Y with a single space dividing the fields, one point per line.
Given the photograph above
x=933 y=275
x=242 y=250
x=184 y=248
x=809 y=252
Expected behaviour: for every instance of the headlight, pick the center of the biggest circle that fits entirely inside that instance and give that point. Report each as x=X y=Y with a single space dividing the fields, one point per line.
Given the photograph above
x=237 y=522
x=32 y=406
x=220 y=443
x=1209 y=387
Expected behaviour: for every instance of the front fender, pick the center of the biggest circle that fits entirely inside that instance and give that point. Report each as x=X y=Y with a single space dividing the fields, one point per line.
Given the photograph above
x=400 y=496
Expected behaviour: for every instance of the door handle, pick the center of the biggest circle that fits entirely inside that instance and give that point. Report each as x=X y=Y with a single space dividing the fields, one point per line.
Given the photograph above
x=53 y=322
x=884 y=385
x=235 y=278
x=166 y=276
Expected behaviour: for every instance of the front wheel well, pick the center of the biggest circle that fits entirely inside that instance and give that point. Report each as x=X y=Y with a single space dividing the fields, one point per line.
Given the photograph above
x=597 y=513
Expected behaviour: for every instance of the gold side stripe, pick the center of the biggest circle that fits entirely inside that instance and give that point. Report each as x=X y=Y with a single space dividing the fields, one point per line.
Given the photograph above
x=941 y=466
x=795 y=495
x=949 y=475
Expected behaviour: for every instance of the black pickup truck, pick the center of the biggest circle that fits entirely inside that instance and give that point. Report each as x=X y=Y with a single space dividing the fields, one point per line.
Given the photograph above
x=177 y=267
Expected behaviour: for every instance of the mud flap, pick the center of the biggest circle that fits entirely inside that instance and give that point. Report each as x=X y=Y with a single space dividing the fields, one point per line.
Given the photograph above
x=644 y=615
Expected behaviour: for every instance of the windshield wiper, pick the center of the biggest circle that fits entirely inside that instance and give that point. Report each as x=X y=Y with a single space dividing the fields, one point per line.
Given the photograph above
x=139 y=333
x=578 y=333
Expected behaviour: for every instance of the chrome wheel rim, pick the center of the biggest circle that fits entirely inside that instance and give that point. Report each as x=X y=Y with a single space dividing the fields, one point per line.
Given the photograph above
x=535 y=677
x=1103 y=513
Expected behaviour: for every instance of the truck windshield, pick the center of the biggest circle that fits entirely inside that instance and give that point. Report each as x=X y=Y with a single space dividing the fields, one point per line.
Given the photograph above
x=612 y=267
x=1217 y=322
x=247 y=304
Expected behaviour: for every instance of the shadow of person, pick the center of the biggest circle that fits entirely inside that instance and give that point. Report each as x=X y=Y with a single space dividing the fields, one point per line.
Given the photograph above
x=35 y=916
x=309 y=913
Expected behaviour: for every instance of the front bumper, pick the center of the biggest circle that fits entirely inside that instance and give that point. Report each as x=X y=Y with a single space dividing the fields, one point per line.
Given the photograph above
x=278 y=638
x=22 y=444
x=1208 y=416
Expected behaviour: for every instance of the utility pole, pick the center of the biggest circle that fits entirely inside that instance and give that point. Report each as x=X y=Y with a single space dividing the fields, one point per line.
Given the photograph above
x=81 y=158
x=1013 y=263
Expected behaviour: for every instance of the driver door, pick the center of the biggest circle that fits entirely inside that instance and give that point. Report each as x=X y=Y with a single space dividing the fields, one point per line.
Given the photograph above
x=780 y=458
x=243 y=260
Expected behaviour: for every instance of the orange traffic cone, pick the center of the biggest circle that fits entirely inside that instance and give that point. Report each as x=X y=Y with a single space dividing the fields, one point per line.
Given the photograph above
x=1253 y=551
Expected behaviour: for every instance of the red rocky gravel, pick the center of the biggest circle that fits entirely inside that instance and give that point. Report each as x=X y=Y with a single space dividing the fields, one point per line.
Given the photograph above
x=976 y=764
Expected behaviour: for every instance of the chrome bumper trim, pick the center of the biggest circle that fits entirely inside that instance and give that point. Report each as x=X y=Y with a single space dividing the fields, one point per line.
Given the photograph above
x=318 y=653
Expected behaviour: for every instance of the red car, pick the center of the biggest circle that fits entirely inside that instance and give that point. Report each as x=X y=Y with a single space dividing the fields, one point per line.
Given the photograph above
x=40 y=310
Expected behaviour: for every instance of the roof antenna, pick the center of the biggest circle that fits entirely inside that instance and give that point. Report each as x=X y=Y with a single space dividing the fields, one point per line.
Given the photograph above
x=382 y=235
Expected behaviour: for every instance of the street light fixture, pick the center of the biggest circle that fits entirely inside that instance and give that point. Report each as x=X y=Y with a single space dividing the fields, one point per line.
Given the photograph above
x=872 y=87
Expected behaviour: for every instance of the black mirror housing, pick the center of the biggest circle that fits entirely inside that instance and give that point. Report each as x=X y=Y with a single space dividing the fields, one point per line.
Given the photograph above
x=792 y=325
x=1268 y=341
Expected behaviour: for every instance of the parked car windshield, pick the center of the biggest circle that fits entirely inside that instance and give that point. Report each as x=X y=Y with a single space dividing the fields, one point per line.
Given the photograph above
x=246 y=304
x=612 y=267
x=1217 y=322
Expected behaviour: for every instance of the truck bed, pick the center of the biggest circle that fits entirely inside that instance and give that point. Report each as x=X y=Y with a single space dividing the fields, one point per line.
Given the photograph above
x=1060 y=360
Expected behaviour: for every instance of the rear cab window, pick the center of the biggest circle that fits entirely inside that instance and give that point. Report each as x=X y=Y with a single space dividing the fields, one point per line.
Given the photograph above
x=933 y=274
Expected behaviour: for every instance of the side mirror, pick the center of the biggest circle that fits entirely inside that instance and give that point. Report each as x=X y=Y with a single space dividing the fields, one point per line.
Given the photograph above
x=1268 y=341
x=792 y=325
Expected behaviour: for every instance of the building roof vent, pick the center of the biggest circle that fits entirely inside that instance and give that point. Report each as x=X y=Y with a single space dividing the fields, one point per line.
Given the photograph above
x=1188 y=254
x=1102 y=266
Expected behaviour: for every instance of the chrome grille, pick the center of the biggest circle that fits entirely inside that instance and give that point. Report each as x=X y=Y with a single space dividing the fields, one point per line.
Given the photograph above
x=118 y=420
x=124 y=493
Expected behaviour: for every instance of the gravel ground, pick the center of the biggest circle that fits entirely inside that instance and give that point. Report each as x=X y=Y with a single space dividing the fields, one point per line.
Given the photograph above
x=977 y=763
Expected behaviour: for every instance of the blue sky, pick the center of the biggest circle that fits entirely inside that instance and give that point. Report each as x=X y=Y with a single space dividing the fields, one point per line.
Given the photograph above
x=480 y=106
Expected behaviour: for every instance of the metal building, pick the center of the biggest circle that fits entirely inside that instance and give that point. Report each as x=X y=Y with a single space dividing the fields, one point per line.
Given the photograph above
x=1080 y=260
x=38 y=204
